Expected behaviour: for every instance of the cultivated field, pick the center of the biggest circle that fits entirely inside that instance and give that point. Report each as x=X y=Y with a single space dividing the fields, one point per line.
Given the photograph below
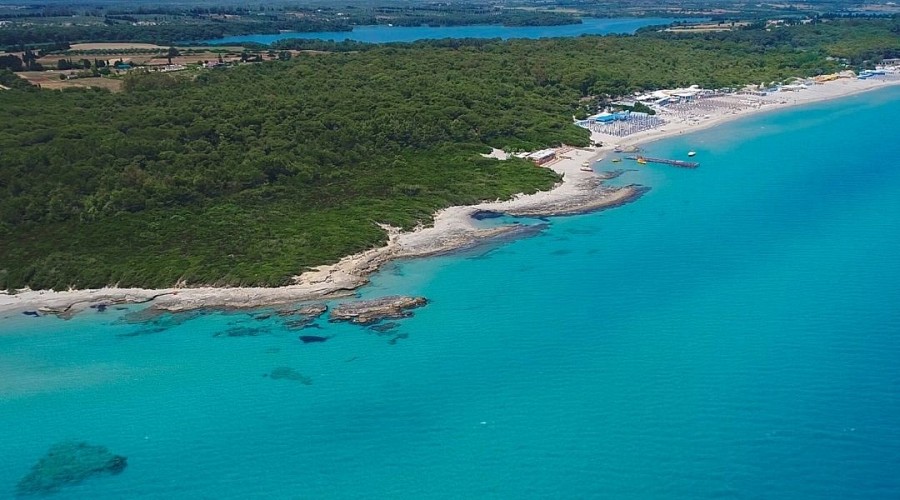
x=114 y=46
x=50 y=61
x=700 y=28
x=186 y=59
x=50 y=80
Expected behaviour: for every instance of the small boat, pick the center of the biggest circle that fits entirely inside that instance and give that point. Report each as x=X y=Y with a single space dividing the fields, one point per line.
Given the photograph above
x=641 y=161
x=586 y=167
x=616 y=160
x=692 y=153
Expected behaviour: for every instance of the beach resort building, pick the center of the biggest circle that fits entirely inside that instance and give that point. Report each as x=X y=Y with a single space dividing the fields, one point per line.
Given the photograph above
x=543 y=156
x=609 y=117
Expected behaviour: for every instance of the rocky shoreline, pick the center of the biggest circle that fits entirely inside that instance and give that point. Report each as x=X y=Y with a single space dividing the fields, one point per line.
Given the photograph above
x=595 y=197
x=453 y=230
x=368 y=312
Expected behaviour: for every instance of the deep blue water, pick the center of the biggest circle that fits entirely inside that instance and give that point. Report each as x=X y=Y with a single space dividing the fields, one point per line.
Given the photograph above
x=733 y=334
x=384 y=34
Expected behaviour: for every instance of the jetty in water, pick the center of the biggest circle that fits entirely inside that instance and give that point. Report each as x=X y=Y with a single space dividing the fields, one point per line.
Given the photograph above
x=677 y=163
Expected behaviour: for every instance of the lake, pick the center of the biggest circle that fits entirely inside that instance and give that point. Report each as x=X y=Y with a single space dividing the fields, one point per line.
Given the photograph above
x=385 y=34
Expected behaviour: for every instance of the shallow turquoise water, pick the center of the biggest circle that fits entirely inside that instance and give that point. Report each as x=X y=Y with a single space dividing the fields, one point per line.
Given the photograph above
x=733 y=334
x=385 y=34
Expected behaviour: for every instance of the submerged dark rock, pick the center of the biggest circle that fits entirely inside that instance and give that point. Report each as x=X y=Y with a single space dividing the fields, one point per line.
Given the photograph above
x=151 y=316
x=69 y=463
x=288 y=373
x=31 y=313
x=311 y=339
x=146 y=315
x=143 y=331
x=99 y=307
x=299 y=324
x=397 y=337
x=154 y=321
x=241 y=331
x=367 y=312
x=382 y=328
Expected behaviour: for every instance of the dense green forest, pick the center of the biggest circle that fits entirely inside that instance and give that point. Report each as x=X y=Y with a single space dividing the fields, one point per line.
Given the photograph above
x=854 y=39
x=251 y=174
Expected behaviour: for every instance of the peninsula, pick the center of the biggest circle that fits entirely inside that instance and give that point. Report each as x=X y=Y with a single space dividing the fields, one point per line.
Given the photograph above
x=245 y=187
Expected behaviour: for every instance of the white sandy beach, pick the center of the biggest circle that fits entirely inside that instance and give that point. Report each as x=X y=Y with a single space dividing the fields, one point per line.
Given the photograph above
x=835 y=89
x=453 y=227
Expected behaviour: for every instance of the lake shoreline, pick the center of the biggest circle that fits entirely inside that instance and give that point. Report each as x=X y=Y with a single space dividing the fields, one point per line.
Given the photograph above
x=453 y=228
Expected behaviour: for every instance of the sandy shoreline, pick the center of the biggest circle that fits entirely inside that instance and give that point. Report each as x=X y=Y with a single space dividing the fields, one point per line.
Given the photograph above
x=453 y=227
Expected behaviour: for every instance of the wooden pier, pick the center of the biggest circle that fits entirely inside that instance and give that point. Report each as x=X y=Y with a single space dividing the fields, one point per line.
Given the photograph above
x=676 y=163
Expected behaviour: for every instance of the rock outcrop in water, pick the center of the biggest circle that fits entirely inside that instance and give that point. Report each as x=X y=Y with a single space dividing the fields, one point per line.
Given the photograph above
x=311 y=310
x=591 y=196
x=367 y=312
x=69 y=463
x=241 y=331
x=298 y=318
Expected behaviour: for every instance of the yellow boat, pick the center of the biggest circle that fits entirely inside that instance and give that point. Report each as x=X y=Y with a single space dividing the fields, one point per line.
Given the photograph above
x=642 y=161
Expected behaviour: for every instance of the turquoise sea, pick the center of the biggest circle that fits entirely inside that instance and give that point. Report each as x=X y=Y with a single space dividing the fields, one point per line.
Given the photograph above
x=735 y=333
x=385 y=34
